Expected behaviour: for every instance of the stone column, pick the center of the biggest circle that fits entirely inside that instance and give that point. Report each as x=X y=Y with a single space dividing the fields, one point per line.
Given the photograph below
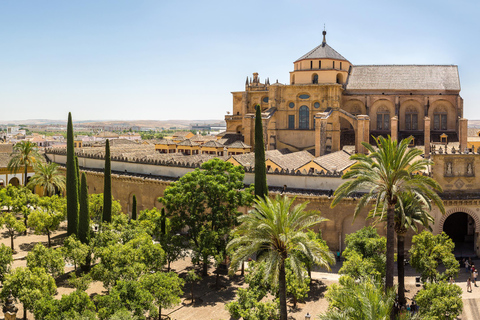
x=394 y=128
x=462 y=133
x=426 y=135
x=320 y=133
x=248 y=126
x=362 y=134
x=316 y=119
x=336 y=135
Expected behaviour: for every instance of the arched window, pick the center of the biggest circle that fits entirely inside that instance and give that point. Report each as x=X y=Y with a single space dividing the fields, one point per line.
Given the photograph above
x=293 y=79
x=383 y=119
x=303 y=117
x=339 y=78
x=440 y=119
x=315 y=78
x=411 y=119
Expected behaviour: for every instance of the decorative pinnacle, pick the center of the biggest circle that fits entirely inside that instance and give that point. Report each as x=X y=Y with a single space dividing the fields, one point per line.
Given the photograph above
x=324 y=34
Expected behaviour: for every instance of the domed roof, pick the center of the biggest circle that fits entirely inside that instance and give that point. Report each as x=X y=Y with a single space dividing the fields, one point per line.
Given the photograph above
x=323 y=51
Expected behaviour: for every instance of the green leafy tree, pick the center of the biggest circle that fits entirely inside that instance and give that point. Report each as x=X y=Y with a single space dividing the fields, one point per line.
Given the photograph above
x=249 y=306
x=279 y=229
x=71 y=306
x=127 y=261
x=47 y=216
x=22 y=201
x=440 y=300
x=261 y=189
x=75 y=251
x=250 y=303
x=96 y=207
x=13 y=225
x=364 y=254
x=428 y=251
x=207 y=201
x=192 y=278
x=410 y=211
x=355 y=300
x=25 y=154
x=80 y=283
x=48 y=177
x=107 y=186
x=134 y=208
x=51 y=260
x=317 y=237
x=28 y=286
x=156 y=224
x=386 y=172
x=127 y=295
x=71 y=182
x=165 y=288
x=6 y=259
x=297 y=287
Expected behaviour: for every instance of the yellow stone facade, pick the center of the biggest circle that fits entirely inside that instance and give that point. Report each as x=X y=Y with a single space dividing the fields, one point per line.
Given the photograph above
x=330 y=103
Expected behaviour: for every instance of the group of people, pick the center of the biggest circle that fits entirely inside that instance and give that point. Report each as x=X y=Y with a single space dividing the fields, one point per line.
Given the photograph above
x=470 y=267
x=403 y=310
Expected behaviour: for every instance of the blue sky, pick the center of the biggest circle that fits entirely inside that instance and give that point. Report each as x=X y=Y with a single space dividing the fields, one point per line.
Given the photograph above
x=161 y=60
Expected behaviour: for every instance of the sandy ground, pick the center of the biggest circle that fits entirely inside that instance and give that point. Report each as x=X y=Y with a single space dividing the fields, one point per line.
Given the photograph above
x=211 y=302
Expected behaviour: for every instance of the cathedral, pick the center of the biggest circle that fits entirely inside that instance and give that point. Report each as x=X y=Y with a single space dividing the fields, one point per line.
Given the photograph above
x=330 y=103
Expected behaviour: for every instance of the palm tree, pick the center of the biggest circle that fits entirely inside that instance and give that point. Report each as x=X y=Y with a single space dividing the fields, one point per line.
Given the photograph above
x=25 y=153
x=277 y=228
x=49 y=177
x=358 y=301
x=410 y=212
x=384 y=174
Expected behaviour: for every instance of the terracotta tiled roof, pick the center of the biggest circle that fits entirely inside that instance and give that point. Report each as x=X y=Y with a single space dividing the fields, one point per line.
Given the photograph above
x=404 y=77
x=293 y=160
x=323 y=51
x=179 y=134
x=335 y=161
x=238 y=144
x=166 y=142
x=213 y=144
x=188 y=143
x=4 y=159
x=107 y=134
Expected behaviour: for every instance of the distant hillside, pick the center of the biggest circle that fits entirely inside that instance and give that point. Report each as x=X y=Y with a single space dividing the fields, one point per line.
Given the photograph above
x=126 y=123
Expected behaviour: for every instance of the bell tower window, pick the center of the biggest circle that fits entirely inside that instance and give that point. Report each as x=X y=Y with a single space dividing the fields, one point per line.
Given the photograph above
x=315 y=78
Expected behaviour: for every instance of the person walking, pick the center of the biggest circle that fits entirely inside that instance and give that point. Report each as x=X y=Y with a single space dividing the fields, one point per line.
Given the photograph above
x=467 y=266
x=469 y=285
x=475 y=275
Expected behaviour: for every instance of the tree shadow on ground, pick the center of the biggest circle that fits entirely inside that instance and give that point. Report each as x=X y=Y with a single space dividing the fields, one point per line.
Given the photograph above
x=206 y=293
x=317 y=290
x=62 y=280
x=55 y=241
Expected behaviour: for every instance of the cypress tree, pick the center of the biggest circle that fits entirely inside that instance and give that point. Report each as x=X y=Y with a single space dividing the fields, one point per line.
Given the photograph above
x=261 y=189
x=107 y=186
x=71 y=182
x=79 y=185
x=84 y=215
x=134 y=208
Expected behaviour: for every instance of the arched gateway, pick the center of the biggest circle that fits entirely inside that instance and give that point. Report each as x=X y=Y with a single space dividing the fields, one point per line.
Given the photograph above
x=462 y=225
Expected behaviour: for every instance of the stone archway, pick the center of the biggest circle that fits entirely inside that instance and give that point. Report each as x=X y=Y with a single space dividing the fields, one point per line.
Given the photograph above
x=463 y=226
x=455 y=210
x=14 y=182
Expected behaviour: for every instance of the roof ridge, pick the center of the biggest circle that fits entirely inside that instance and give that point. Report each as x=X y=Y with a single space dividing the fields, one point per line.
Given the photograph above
x=405 y=65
